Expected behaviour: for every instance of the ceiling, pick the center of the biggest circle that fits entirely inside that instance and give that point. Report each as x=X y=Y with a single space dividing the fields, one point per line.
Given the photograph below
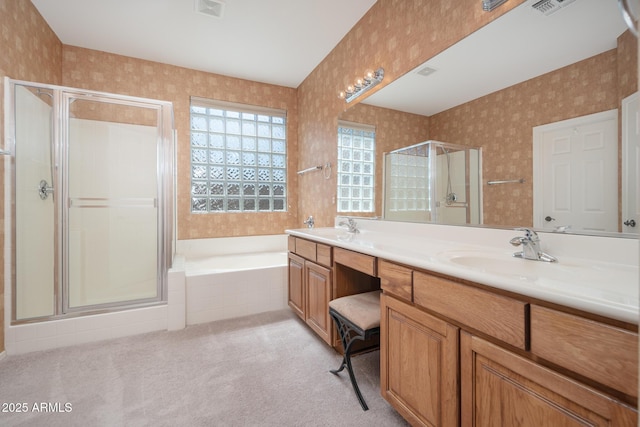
x=516 y=47
x=276 y=41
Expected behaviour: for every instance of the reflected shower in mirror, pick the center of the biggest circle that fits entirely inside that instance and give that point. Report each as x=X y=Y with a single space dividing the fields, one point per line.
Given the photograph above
x=433 y=182
x=523 y=70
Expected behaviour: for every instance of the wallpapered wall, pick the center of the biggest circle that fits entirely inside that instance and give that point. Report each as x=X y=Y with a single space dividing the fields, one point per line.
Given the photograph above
x=29 y=50
x=90 y=69
x=501 y=123
x=397 y=35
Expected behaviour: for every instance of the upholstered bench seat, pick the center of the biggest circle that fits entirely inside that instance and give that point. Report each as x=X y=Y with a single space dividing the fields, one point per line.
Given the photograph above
x=357 y=318
x=363 y=310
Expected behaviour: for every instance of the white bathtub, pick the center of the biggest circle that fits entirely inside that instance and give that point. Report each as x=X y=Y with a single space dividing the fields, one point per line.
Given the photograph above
x=238 y=262
x=233 y=277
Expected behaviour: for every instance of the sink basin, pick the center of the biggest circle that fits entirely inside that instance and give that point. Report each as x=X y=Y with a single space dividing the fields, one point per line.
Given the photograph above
x=495 y=263
x=505 y=264
x=592 y=280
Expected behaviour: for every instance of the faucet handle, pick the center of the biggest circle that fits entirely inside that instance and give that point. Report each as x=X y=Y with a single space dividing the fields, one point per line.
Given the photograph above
x=528 y=233
x=517 y=241
x=309 y=221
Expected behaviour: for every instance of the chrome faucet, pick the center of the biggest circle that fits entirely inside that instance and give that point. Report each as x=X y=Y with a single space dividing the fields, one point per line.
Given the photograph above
x=530 y=246
x=309 y=221
x=351 y=224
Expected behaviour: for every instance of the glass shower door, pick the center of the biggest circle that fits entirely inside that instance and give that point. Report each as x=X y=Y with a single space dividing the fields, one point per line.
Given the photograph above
x=111 y=202
x=35 y=263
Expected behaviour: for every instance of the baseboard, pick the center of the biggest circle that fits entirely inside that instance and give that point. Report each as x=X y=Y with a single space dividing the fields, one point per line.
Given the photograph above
x=3 y=354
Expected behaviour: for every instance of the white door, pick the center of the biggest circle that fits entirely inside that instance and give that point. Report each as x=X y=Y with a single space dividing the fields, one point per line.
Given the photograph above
x=630 y=164
x=576 y=173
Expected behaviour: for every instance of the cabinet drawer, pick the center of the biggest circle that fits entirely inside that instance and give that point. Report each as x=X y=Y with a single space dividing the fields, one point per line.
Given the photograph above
x=395 y=279
x=306 y=249
x=363 y=263
x=595 y=350
x=291 y=244
x=323 y=254
x=498 y=316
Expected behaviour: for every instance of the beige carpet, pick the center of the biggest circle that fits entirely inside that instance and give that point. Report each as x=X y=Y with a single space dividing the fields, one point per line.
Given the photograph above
x=262 y=370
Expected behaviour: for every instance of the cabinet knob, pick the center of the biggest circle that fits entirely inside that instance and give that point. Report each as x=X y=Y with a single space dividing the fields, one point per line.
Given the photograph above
x=630 y=223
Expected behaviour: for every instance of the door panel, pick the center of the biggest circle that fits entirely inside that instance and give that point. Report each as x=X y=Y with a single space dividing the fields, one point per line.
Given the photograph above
x=318 y=297
x=422 y=388
x=296 y=285
x=112 y=203
x=630 y=164
x=500 y=388
x=576 y=183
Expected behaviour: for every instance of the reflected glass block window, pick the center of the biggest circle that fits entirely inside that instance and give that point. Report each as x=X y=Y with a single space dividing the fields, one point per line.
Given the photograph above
x=238 y=158
x=356 y=167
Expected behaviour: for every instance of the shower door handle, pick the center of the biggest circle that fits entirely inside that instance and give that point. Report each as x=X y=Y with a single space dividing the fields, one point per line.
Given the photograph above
x=44 y=189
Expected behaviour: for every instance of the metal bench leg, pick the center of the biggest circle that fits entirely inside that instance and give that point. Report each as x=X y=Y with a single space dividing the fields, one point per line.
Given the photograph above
x=345 y=332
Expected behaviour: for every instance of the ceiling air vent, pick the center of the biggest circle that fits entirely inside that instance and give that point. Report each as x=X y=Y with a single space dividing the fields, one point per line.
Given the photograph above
x=213 y=8
x=550 y=6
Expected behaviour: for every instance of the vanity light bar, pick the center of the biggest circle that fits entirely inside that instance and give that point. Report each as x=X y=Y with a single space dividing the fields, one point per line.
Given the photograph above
x=362 y=85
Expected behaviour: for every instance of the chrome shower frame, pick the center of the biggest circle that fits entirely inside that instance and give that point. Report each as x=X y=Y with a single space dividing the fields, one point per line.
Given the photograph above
x=165 y=170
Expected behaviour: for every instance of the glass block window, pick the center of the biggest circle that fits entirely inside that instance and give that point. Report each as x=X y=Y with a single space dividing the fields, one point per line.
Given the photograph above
x=238 y=158
x=356 y=167
x=407 y=182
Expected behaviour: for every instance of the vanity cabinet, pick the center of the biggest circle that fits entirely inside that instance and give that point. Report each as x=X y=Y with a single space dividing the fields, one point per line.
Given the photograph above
x=500 y=388
x=310 y=285
x=581 y=345
x=457 y=353
x=297 y=288
x=318 y=281
x=419 y=364
x=319 y=273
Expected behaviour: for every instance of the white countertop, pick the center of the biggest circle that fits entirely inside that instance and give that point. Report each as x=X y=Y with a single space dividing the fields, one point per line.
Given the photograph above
x=601 y=278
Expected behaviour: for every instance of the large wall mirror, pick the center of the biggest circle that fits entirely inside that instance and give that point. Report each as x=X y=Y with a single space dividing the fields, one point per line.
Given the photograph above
x=529 y=69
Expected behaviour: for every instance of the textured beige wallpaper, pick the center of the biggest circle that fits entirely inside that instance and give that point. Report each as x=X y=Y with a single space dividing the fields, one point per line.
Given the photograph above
x=30 y=51
x=502 y=122
x=397 y=35
x=102 y=71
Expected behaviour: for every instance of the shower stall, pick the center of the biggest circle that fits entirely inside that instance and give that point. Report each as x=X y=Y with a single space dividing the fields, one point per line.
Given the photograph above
x=434 y=182
x=89 y=201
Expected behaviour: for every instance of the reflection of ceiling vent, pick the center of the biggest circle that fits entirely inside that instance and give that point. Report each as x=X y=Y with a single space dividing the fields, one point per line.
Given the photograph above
x=213 y=8
x=425 y=71
x=550 y=6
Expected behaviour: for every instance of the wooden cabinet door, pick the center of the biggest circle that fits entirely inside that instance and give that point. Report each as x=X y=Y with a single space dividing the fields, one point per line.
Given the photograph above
x=296 y=285
x=318 y=289
x=418 y=364
x=500 y=388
